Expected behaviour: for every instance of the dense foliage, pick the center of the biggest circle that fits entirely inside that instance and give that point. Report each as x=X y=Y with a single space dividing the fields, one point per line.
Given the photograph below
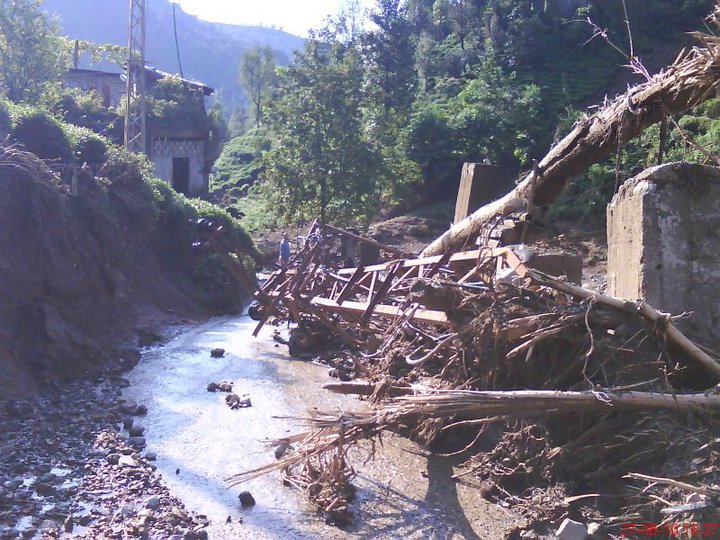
x=29 y=47
x=365 y=120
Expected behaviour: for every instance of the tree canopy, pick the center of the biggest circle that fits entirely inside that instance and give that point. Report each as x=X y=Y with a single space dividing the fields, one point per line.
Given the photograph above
x=30 y=49
x=369 y=118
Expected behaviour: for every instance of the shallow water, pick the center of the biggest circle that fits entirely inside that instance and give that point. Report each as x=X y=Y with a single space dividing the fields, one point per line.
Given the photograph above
x=200 y=441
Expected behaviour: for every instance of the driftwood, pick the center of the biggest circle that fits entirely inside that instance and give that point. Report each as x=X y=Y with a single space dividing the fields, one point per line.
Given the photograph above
x=482 y=404
x=690 y=80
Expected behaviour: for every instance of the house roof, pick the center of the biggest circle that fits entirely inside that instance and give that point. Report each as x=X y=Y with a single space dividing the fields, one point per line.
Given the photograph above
x=153 y=73
x=158 y=74
x=79 y=71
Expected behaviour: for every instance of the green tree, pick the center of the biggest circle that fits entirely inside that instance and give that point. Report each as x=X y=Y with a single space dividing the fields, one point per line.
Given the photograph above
x=257 y=77
x=320 y=164
x=31 y=53
x=389 y=49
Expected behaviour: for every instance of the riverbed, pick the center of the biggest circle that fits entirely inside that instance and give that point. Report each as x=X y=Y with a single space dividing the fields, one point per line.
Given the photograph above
x=200 y=441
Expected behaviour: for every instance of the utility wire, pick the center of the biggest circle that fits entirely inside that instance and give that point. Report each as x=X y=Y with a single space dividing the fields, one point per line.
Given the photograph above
x=177 y=45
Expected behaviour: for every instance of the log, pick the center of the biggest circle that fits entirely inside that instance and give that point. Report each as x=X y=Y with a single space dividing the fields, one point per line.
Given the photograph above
x=365 y=388
x=481 y=404
x=674 y=336
x=689 y=81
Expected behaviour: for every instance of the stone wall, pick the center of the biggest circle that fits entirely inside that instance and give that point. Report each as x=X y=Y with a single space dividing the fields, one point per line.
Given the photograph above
x=664 y=242
x=164 y=149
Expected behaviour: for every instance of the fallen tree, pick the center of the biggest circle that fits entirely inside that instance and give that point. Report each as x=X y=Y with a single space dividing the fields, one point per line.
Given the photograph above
x=690 y=80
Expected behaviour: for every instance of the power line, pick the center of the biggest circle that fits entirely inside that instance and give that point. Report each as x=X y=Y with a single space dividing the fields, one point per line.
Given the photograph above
x=177 y=45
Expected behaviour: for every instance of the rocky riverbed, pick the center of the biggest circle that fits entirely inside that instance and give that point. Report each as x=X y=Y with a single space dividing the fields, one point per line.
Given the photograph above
x=146 y=454
x=67 y=469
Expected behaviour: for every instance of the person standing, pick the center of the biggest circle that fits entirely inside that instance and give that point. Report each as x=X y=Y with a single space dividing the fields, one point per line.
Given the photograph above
x=284 y=258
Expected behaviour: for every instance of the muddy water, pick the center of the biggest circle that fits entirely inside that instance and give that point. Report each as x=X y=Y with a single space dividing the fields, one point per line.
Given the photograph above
x=200 y=441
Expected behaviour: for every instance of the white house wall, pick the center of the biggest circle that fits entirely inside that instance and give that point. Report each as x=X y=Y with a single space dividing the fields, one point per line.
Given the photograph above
x=163 y=151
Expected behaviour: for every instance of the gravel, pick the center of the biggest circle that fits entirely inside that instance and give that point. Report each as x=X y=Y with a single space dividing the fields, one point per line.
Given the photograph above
x=67 y=466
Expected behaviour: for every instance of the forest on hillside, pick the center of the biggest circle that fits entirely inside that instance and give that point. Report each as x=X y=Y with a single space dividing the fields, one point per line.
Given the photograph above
x=378 y=112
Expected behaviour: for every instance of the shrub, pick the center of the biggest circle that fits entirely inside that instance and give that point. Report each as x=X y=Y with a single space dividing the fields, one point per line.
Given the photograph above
x=87 y=146
x=43 y=135
x=5 y=120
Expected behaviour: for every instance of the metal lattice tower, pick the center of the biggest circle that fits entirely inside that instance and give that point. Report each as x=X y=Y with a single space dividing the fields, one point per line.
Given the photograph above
x=135 y=107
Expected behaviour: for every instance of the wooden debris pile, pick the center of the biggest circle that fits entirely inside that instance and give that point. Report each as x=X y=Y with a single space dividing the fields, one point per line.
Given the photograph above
x=598 y=406
x=581 y=388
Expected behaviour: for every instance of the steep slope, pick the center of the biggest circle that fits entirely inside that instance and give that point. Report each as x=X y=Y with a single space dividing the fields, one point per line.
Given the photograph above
x=210 y=52
x=86 y=277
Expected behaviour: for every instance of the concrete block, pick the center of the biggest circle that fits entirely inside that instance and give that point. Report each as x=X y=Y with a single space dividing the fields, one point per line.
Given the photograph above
x=479 y=185
x=664 y=242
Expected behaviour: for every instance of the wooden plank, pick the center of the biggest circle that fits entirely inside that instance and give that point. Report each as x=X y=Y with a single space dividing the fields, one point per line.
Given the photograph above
x=393 y=312
x=462 y=256
x=350 y=286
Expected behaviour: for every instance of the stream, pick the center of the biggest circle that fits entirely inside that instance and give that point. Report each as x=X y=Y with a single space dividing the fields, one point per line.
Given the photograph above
x=200 y=441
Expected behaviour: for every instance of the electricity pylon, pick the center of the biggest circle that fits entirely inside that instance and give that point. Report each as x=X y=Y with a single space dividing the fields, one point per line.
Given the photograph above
x=135 y=107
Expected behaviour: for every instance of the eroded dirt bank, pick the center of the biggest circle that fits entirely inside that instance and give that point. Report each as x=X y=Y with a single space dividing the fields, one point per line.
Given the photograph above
x=90 y=272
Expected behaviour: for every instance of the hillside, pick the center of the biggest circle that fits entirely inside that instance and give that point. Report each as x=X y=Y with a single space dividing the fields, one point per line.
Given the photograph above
x=210 y=52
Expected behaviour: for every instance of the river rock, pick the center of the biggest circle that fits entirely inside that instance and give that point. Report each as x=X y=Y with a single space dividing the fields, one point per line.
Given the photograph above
x=218 y=352
x=150 y=456
x=128 y=405
x=136 y=442
x=43 y=488
x=282 y=449
x=236 y=402
x=68 y=524
x=113 y=458
x=136 y=430
x=220 y=387
x=571 y=530
x=127 y=462
x=246 y=499
x=152 y=502
x=127 y=422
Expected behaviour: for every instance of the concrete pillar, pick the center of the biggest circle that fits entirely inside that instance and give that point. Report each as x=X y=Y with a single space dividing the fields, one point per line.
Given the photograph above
x=479 y=184
x=664 y=242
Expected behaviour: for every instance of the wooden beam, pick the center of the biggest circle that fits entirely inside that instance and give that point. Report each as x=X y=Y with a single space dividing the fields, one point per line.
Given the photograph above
x=463 y=256
x=393 y=312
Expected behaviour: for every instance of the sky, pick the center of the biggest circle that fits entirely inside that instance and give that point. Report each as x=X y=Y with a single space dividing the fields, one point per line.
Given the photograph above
x=294 y=16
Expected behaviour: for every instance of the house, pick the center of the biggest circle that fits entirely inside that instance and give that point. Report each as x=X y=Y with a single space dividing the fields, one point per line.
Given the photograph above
x=110 y=86
x=176 y=144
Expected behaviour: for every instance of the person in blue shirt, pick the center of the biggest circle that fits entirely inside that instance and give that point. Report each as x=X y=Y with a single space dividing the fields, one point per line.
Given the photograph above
x=284 y=250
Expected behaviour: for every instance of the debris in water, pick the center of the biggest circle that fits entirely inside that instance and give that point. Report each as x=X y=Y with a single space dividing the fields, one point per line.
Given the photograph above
x=236 y=402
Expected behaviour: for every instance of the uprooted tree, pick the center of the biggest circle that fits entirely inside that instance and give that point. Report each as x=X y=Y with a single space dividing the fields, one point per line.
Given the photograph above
x=693 y=78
